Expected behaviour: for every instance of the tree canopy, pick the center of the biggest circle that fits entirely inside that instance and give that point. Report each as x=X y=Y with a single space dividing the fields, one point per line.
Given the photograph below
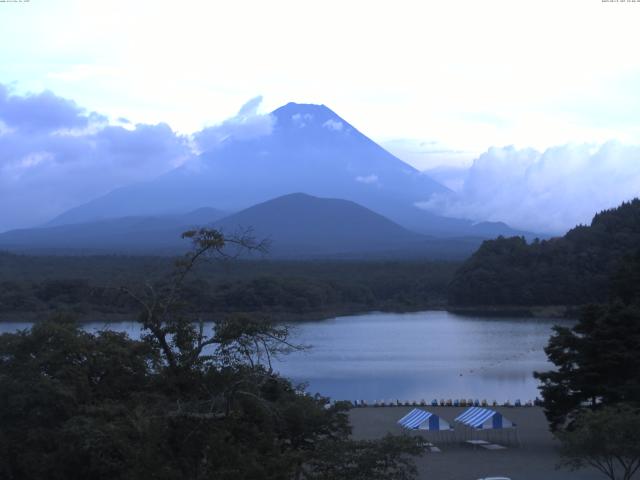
x=592 y=398
x=35 y=286
x=571 y=270
x=179 y=403
x=598 y=359
x=607 y=440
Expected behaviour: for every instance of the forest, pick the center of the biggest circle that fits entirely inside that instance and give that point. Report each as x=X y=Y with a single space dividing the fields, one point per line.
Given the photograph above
x=571 y=270
x=182 y=402
x=92 y=287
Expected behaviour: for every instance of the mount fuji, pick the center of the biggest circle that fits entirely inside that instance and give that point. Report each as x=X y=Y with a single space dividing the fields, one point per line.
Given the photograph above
x=309 y=149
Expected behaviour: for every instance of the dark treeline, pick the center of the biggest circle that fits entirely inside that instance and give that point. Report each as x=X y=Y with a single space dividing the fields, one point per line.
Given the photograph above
x=91 y=286
x=185 y=401
x=597 y=359
x=572 y=270
x=592 y=396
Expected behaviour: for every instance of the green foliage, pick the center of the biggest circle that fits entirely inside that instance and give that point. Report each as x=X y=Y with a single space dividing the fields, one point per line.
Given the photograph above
x=62 y=388
x=626 y=281
x=591 y=399
x=89 y=286
x=571 y=270
x=180 y=403
x=387 y=458
x=597 y=360
x=607 y=439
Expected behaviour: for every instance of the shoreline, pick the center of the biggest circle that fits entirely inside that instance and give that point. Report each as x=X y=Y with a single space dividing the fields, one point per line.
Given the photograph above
x=450 y=402
x=534 y=311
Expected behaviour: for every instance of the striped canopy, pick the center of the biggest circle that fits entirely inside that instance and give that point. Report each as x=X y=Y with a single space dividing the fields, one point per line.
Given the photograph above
x=418 y=419
x=483 y=418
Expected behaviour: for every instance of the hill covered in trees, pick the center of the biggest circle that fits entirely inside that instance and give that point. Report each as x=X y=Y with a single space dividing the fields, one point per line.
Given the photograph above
x=90 y=286
x=572 y=270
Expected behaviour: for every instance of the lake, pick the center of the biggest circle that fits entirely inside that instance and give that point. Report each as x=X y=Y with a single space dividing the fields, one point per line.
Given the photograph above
x=411 y=356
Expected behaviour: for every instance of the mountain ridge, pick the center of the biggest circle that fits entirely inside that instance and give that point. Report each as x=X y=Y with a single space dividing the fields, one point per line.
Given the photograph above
x=299 y=225
x=307 y=148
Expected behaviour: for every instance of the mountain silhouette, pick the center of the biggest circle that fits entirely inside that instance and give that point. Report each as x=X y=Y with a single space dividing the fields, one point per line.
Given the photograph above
x=296 y=226
x=134 y=234
x=309 y=149
x=300 y=223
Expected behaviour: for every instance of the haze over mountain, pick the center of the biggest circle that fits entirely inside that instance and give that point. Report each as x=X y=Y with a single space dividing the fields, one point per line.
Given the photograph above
x=307 y=148
x=133 y=234
x=58 y=154
x=299 y=147
x=302 y=225
x=546 y=191
x=296 y=225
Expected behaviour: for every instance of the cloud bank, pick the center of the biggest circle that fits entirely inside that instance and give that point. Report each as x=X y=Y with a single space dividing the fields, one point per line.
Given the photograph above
x=55 y=155
x=548 y=192
x=247 y=124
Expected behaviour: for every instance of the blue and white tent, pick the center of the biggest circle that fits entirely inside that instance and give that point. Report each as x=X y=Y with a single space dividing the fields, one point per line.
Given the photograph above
x=483 y=419
x=418 y=419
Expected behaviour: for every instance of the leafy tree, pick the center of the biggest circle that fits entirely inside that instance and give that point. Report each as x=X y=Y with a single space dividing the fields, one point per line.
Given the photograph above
x=626 y=281
x=365 y=459
x=179 y=403
x=64 y=397
x=598 y=359
x=571 y=270
x=591 y=400
x=607 y=439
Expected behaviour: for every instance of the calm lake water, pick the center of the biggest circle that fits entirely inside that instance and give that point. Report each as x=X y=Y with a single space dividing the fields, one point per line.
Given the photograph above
x=411 y=356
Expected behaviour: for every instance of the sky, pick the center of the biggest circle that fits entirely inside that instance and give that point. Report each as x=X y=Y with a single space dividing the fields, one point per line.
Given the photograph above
x=439 y=84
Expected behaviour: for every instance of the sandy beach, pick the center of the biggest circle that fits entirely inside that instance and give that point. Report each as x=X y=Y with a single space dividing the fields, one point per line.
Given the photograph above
x=535 y=458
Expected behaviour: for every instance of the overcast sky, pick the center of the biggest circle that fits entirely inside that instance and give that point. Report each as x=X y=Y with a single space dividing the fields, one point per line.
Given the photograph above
x=531 y=93
x=436 y=81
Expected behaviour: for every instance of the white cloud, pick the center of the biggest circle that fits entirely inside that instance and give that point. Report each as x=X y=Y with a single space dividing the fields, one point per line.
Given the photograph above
x=547 y=192
x=82 y=72
x=4 y=129
x=558 y=86
x=332 y=124
x=247 y=124
x=428 y=154
x=451 y=177
x=251 y=107
x=368 y=179
x=34 y=159
x=301 y=120
x=55 y=155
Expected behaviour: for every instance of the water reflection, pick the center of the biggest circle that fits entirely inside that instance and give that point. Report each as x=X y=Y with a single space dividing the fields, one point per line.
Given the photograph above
x=421 y=355
x=410 y=356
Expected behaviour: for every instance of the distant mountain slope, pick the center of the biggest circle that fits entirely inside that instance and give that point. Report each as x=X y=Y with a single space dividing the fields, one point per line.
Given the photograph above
x=571 y=270
x=302 y=226
x=310 y=149
x=300 y=223
x=127 y=234
x=297 y=225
